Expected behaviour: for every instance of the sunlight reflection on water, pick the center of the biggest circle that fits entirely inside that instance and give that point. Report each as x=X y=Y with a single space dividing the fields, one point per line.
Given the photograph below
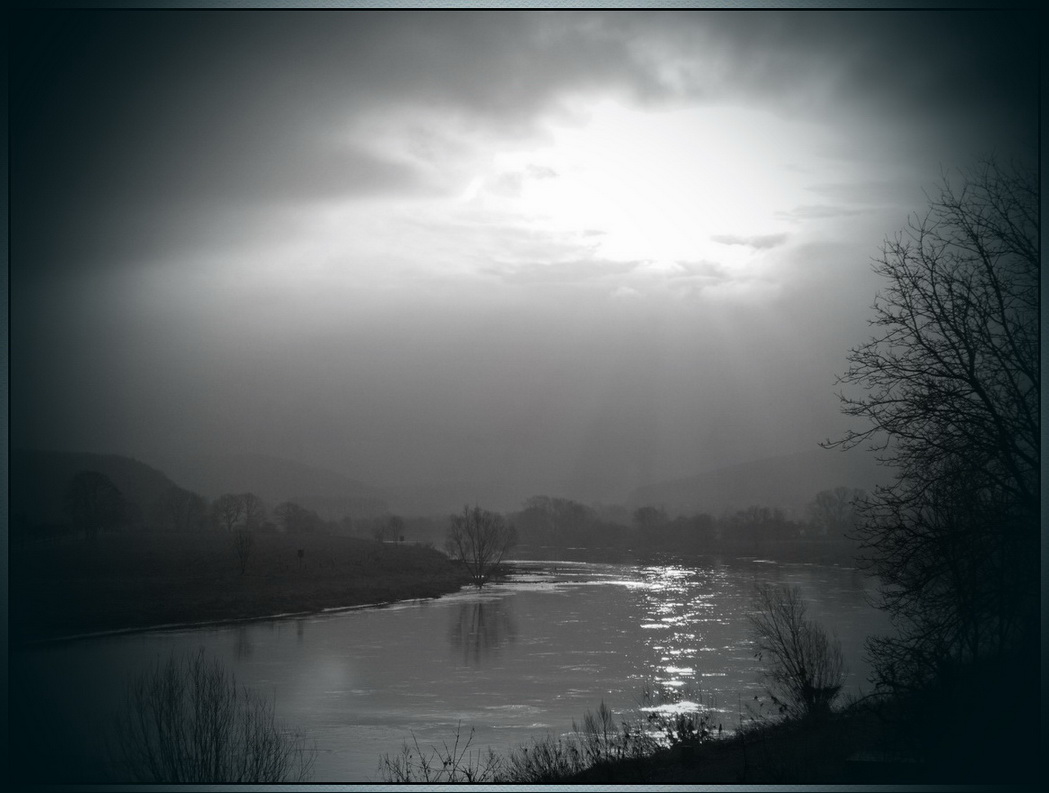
x=520 y=657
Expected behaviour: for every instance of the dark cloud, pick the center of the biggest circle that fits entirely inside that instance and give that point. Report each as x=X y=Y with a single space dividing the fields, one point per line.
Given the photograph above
x=969 y=71
x=156 y=109
x=185 y=112
x=757 y=241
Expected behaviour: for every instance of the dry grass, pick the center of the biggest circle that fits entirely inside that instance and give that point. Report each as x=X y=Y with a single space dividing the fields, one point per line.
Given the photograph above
x=788 y=753
x=142 y=581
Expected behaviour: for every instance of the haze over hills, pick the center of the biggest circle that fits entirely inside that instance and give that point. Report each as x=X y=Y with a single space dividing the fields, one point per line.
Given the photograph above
x=788 y=481
x=444 y=498
x=275 y=479
x=38 y=480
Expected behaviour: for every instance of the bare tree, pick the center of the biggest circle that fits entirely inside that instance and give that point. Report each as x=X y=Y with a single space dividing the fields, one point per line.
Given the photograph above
x=188 y=722
x=295 y=518
x=479 y=539
x=649 y=518
x=390 y=528
x=180 y=510
x=395 y=528
x=228 y=510
x=805 y=668
x=950 y=394
x=254 y=511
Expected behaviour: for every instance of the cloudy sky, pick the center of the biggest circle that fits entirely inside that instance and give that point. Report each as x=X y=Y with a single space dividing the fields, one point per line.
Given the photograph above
x=529 y=247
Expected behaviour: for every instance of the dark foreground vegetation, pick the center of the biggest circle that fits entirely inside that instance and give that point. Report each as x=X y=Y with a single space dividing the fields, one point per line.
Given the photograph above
x=189 y=722
x=137 y=581
x=949 y=735
x=952 y=734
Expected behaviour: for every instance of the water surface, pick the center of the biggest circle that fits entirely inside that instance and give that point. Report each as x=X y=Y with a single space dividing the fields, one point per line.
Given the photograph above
x=513 y=661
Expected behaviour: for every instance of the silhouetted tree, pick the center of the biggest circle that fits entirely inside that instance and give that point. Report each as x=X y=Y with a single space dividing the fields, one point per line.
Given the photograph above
x=391 y=528
x=805 y=668
x=228 y=510
x=254 y=511
x=93 y=503
x=834 y=513
x=949 y=391
x=757 y=525
x=287 y=514
x=649 y=518
x=296 y=519
x=549 y=520
x=245 y=509
x=480 y=540
x=180 y=510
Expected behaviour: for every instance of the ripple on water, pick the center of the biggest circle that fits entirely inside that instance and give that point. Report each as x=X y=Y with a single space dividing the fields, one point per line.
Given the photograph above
x=393 y=678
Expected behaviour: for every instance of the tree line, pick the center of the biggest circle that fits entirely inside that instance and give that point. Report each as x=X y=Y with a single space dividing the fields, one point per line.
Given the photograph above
x=545 y=521
x=94 y=505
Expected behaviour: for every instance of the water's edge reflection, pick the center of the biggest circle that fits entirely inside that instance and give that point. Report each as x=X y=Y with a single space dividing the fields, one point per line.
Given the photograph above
x=525 y=656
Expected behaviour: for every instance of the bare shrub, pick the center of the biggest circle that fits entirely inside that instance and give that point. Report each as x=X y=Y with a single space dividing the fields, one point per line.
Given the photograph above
x=187 y=722
x=674 y=717
x=451 y=765
x=480 y=539
x=805 y=669
x=546 y=759
x=599 y=741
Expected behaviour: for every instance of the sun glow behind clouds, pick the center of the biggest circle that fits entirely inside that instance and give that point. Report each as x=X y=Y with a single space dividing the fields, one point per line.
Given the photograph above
x=657 y=186
x=624 y=200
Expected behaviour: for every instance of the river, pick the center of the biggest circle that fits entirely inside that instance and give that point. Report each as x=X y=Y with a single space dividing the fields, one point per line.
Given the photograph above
x=513 y=661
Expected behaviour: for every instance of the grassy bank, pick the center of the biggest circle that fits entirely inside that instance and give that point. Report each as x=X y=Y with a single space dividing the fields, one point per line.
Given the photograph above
x=893 y=742
x=853 y=746
x=140 y=581
x=850 y=747
x=886 y=742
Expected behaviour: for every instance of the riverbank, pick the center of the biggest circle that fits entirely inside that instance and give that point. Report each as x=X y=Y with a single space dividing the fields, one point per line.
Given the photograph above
x=857 y=745
x=965 y=728
x=883 y=741
x=850 y=747
x=893 y=742
x=138 y=582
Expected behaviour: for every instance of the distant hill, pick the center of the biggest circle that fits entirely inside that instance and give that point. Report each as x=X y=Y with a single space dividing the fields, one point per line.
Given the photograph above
x=38 y=481
x=789 y=481
x=274 y=479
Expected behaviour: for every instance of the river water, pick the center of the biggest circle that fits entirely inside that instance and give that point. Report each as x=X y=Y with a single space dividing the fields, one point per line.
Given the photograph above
x=513 y=661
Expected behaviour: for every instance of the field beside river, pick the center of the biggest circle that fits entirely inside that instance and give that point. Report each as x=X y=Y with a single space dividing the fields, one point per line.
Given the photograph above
x=125 y=582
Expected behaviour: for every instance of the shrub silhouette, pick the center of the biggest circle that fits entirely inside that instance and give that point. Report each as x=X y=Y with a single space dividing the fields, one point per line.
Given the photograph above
x=806 y=669
x=187 y=722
